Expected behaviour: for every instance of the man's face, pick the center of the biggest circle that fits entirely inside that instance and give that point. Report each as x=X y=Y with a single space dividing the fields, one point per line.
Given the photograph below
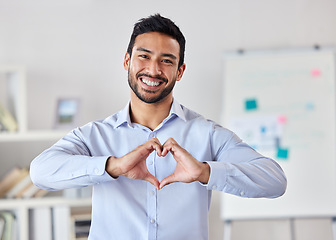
x=153 y=68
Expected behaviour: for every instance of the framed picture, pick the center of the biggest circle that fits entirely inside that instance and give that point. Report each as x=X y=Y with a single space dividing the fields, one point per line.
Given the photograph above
x=67 y=113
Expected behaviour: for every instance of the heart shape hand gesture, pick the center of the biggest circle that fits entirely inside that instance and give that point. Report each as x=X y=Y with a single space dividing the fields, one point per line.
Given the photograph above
x=133 y=164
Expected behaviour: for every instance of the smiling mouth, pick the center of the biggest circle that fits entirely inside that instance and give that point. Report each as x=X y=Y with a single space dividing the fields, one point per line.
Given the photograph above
x=150 y=83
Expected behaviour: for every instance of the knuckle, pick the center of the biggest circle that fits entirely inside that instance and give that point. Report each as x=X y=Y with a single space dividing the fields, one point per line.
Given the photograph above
x=172 y=141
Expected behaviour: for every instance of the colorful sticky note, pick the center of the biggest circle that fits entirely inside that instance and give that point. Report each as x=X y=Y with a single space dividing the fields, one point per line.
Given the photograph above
x=282 y=119
x=310 y=106
x=251 y=104
x=282 y=153
x=316 y=72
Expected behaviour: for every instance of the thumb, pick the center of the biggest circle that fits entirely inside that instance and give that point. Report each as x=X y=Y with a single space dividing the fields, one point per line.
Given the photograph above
x=153 y=180
x=170 y=179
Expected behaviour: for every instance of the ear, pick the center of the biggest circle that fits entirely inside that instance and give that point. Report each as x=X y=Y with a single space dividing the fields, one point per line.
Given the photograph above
x=127 y=60
x=180 y=72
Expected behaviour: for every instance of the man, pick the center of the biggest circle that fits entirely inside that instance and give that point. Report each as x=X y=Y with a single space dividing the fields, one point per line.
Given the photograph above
x=154 y=164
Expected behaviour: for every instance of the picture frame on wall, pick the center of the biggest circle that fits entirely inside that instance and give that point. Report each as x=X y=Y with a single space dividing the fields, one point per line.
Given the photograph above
x=67 y=110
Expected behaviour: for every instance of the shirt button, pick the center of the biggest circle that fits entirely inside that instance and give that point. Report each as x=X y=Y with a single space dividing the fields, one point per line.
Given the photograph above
x=242 y=193
x=152 y=221
x=96 y=170
x=152 y=193
x=151 y=135
x=150 y=162
x=214 y=187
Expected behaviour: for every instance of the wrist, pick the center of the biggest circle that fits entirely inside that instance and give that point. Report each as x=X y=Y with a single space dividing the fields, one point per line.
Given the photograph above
x=205 y=175
x=111 y=167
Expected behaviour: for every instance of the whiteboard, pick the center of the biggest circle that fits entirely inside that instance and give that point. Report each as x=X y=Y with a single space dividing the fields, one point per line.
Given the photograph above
x=282 y=103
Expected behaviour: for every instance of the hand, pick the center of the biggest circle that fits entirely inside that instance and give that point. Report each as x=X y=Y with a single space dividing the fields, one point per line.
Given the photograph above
x=188 y=169
x=133 y=164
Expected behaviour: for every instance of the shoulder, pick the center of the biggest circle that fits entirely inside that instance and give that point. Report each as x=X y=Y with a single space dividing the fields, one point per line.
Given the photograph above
x=108 y=124
x=212 y=127
x=194 y=117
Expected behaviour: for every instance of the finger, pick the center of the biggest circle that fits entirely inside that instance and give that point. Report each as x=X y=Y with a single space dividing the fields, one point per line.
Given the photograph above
x=167 y=180
x=168 y=146
x=158 y=149
x=153 y=180
x=156 y=145
x=165 y=150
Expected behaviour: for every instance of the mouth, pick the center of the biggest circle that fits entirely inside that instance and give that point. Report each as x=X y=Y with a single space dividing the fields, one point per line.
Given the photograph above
x=151 y=81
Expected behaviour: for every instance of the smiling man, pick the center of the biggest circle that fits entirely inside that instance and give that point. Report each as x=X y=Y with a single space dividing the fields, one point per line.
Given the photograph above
x=154 y=164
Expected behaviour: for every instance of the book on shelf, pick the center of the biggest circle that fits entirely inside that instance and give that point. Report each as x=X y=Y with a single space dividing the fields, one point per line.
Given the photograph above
x=80 y=225
x=2 y=226
x=20 y=187
x=13 y=177
x=40 y=219
x=8 y=226
x=7 y=121
x=33 y=192
x=40 y=193
x=61 y=222
x=17 y=184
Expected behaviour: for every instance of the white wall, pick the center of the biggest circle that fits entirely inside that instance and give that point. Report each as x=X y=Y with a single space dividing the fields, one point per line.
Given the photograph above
x=76 y=48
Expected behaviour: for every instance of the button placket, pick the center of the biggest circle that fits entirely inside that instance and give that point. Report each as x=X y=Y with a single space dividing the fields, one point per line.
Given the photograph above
x=151 y=195
x=151 y=211
x=151 y=135
x=151 y=158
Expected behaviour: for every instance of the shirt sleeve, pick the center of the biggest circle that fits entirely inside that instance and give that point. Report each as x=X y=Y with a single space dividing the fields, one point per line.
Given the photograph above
x=68 y=164
x=238 y=169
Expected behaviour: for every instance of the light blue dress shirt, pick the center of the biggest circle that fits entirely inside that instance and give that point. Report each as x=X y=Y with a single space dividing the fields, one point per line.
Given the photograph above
x=128 y=209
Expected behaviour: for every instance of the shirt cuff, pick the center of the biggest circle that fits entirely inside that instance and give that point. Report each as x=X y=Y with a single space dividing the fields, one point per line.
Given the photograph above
x=218 y=176
x=96 y=170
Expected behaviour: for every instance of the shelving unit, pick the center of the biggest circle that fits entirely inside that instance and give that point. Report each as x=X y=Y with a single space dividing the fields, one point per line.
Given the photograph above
x=15 y=83
x=21 y=209
x=14 y=80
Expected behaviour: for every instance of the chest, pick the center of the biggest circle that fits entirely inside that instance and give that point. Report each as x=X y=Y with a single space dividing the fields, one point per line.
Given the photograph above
x=119 y=142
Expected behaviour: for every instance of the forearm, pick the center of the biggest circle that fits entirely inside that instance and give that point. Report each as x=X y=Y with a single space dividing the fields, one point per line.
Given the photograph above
x=56 y=170
x=259 y=178
x=238 y=169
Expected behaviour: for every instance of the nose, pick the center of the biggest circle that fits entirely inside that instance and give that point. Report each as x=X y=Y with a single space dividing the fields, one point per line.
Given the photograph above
x=154 y=68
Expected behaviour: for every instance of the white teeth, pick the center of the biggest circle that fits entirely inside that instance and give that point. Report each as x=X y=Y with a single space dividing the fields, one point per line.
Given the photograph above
x=150 y=83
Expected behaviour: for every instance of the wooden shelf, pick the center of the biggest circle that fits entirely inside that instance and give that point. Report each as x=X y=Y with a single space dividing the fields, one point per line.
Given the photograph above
x=38 y=135
x=13 y=204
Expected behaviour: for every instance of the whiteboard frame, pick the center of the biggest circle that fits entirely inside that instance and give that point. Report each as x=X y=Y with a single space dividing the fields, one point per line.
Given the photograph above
x=230 y=212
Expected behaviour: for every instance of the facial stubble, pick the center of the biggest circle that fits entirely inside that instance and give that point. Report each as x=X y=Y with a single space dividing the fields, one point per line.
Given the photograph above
x=154 y=99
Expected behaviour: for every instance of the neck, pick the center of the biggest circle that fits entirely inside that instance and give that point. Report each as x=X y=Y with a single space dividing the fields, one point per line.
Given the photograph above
x=149 y=114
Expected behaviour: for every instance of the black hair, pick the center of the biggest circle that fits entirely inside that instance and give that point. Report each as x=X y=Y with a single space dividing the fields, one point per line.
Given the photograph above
x=157 y=23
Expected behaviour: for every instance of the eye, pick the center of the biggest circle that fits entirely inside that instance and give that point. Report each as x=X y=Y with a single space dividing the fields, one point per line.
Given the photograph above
x=143 y=56
x=167 y=61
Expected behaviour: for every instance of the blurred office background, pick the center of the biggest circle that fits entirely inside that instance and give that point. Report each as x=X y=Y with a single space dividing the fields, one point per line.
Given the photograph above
x=76 y=49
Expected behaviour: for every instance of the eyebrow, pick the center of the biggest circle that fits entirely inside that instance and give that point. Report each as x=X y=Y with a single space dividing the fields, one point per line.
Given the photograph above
x=163 y=54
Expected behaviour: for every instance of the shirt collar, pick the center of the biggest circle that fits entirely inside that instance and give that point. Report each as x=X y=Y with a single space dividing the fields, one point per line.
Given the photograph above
x=124 y=116
x=175 y=110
